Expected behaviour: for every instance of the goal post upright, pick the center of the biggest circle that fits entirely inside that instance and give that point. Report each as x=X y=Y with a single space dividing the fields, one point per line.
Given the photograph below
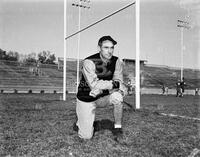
x=65 y=51
x=137 y=65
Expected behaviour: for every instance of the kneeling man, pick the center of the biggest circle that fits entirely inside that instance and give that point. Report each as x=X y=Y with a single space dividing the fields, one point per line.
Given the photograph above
x=101 y=79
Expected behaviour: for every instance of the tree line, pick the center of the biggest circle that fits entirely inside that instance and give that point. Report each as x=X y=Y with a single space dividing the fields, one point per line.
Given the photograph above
x=44 y=57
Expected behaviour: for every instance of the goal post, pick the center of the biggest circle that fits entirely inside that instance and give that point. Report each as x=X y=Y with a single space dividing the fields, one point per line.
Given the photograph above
x=137 y=72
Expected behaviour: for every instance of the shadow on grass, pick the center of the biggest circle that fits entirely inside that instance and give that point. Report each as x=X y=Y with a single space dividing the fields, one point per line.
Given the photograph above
x=104 y=124
x=99 y=125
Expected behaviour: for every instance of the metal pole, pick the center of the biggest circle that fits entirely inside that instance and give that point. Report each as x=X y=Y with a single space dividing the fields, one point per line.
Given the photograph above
x=79 y=26
x=137 y=71
x=182 y=47
x=65 y=53
x=182 y=24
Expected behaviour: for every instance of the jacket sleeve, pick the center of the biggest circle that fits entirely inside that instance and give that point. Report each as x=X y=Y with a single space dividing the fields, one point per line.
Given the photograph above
x=90 y=76
x=118 y=74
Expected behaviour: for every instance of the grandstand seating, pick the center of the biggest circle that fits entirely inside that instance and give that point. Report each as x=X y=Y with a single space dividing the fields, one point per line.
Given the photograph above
x=13 y=75
x=156 y=76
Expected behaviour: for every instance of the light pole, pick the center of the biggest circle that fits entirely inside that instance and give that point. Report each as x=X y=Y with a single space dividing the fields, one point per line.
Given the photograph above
x=80 y=5
x=182 y=25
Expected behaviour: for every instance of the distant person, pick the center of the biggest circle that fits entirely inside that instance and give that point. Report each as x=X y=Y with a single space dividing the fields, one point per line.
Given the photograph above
x=101 y=80
x=129 y=87
x=163 y=89
x=196 y=91
x=182 y=86
x=38 y=71
x=166 y=90
x=178 y=89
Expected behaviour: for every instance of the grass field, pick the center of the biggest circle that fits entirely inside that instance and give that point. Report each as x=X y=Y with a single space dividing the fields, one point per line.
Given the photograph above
x=41 y=125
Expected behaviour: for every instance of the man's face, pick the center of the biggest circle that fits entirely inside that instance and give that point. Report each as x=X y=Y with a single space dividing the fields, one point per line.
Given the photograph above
x=107 y=49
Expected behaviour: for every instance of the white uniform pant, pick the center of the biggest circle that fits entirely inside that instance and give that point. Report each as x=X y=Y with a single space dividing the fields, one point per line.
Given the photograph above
x=86 y=113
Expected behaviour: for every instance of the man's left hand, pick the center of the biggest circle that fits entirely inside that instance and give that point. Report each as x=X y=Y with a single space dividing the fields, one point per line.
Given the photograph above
x=122 y=89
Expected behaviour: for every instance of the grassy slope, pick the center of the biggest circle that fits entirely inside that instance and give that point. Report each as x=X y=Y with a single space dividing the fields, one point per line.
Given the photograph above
x=45 y=129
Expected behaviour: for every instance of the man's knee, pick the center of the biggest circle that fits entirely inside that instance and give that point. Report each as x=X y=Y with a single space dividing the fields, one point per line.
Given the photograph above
x=116 y=98
x=85 y=131
x=86 y=135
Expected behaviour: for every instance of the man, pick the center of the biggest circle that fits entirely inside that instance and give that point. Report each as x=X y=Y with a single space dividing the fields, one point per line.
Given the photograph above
x=101 y=81
x=182 y=86
x=166 y=90
x=129 y=87
x=196 y=91
x=178 y=89
x=163 y=89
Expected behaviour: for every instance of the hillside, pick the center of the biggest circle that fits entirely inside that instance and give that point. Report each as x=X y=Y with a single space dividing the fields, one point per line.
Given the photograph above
x=14 y=75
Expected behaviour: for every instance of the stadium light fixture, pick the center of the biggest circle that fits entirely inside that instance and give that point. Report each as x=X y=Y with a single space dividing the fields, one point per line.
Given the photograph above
x=81 y=6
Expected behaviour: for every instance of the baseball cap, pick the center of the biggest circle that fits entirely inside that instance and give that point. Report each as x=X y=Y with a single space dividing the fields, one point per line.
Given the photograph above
x=104 y=38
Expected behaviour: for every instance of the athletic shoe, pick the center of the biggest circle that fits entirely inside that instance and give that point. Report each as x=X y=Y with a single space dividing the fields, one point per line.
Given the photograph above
x=117 y=132
x=96 y=125
x=107 y=124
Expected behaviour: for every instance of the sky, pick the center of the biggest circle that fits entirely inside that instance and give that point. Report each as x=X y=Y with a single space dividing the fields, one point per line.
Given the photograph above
x=28 y=26
x=35 y=25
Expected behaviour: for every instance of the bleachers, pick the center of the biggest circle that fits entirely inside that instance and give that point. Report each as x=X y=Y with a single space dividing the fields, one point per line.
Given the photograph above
x=13 y=74
x=157 y=75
